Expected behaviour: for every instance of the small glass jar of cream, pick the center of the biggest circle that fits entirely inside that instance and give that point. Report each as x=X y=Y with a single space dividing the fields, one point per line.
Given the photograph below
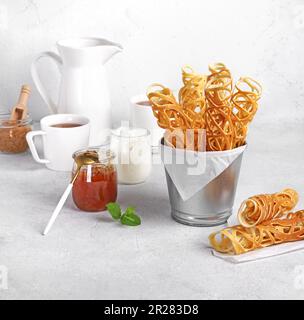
x=132 y=147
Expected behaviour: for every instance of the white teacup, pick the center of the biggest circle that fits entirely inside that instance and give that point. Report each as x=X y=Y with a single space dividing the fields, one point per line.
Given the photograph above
x=62 y=135
x=142 y=117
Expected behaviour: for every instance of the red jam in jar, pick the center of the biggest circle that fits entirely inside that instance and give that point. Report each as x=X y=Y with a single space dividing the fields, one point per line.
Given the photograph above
x=96 y=184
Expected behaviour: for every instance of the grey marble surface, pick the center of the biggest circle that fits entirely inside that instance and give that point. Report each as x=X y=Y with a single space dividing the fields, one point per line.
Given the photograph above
x=88 y=256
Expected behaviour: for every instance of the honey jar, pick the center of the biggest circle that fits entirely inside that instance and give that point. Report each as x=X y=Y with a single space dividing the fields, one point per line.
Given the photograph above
x=96 y=184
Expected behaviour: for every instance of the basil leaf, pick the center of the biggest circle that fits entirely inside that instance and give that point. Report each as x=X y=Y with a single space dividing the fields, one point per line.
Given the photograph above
x=130 y=218
x=114 y=210
x=130 y=210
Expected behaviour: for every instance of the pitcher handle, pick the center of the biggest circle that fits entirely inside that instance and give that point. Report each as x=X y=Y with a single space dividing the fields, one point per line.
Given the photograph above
x=35 y=75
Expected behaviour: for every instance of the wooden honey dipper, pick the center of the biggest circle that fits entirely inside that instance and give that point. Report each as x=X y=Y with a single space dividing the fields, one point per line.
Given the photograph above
x=20 y=111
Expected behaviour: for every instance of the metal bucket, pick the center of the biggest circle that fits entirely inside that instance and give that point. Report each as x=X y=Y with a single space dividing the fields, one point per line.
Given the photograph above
x=212 y=205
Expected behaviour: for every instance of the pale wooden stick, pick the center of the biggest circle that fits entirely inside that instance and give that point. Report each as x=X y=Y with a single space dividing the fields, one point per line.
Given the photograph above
x=20 y=111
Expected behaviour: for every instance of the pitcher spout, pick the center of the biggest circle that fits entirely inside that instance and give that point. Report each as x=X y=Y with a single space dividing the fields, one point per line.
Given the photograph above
x=109 y=50
x=87 y=50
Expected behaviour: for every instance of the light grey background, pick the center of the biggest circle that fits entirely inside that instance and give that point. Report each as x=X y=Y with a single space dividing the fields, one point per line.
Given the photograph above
x=262 y=39
x=87 y=255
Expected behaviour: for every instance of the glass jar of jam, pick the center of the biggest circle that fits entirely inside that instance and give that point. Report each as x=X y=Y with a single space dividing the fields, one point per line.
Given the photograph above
x=96 y=184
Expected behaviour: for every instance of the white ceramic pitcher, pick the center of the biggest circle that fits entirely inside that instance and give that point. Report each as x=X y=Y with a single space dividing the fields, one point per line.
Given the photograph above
x=84 y=88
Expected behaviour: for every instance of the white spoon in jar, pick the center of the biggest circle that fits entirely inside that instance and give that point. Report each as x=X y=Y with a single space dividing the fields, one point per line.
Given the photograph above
x=86 y=158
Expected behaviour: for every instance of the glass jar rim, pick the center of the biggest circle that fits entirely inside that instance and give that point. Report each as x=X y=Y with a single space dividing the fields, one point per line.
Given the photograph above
x=118 y=132
x=7 y=123
x=104 y=154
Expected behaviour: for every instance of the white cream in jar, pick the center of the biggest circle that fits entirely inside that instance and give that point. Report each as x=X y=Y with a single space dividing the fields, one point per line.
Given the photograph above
x=132 y=147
